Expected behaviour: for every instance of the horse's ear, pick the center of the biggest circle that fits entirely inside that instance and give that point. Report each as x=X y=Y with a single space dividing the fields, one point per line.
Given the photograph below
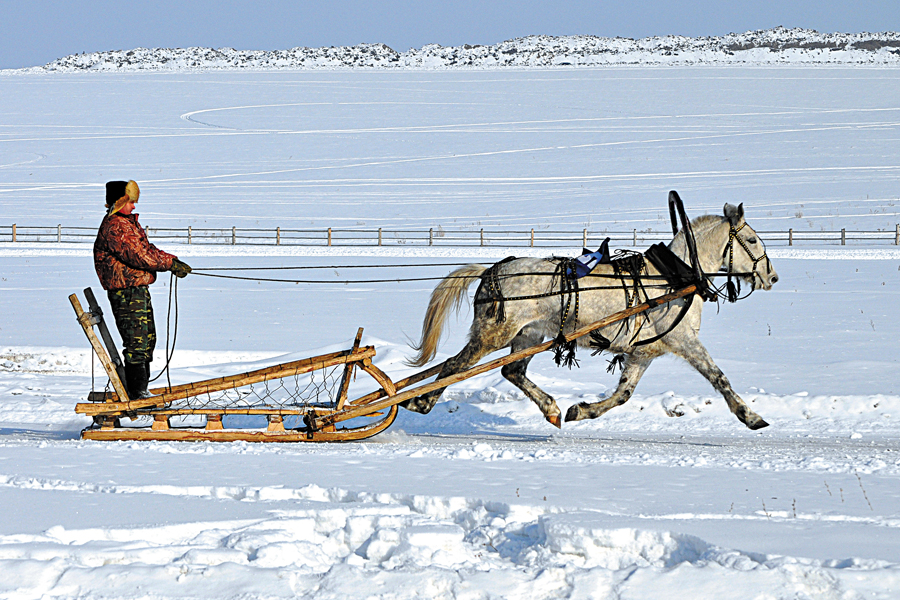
x=734 y=214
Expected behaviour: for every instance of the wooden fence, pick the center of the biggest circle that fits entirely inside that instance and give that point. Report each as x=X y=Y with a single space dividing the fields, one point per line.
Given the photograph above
x=435 y=236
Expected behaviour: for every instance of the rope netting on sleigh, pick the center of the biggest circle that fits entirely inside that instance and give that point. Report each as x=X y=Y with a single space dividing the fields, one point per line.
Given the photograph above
x=292 y=395
x=318 y=388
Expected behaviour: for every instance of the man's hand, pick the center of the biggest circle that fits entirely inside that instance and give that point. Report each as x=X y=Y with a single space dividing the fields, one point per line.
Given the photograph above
x=180 y=269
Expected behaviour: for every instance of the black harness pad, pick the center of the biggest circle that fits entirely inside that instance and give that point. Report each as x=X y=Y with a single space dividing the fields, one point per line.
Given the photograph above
x=677 y=272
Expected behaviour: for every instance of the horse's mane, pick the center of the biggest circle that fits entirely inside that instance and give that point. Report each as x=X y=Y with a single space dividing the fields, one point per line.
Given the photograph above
x=704 y=224
x=702 y=227
x=705 y=221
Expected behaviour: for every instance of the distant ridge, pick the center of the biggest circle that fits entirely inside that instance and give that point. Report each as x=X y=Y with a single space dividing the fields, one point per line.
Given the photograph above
x=764 y=47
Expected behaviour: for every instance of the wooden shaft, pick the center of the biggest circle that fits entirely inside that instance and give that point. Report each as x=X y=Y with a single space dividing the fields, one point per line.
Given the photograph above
x=85 y=320
x=356 y=411
x=210 y=386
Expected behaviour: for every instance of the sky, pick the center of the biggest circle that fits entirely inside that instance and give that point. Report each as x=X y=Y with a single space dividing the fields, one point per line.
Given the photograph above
x=35 y=32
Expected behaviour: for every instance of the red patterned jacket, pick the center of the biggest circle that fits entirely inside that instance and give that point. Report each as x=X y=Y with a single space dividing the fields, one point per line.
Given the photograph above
x=124 y=257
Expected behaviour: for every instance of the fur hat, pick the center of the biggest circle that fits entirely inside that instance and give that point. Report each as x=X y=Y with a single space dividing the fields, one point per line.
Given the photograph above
x=118 y=193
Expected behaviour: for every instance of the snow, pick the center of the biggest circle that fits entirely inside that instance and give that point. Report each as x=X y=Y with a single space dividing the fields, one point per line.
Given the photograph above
x=667 y=496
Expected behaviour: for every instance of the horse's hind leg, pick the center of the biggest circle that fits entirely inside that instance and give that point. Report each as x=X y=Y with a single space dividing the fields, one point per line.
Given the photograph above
x=515 y=373
x=468 y=356
x=635 y=366
x=696 y=354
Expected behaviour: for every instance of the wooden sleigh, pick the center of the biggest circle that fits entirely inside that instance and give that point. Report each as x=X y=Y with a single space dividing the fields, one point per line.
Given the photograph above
x=296 y=418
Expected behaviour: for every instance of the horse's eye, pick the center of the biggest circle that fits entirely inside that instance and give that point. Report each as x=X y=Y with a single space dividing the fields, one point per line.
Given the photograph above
x=751 y=240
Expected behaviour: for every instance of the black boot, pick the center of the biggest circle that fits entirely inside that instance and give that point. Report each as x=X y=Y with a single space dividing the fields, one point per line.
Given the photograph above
x=136 y=380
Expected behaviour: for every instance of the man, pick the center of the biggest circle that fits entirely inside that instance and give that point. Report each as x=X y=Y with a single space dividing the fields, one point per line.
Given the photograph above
x=126 y=263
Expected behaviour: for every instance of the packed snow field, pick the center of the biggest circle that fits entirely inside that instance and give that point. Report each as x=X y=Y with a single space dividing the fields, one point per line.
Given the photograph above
x=668 y=496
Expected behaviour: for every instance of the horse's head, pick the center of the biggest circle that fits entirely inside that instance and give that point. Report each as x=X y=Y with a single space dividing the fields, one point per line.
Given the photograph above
x=745 y=252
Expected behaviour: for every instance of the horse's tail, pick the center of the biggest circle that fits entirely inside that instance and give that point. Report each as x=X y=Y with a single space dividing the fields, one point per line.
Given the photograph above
x=447 y=296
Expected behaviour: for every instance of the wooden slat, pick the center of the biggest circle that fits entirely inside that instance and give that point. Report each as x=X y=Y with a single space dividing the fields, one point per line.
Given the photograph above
x=84 y=319
x=211 y=386
x=104 y=332
x=355 y=410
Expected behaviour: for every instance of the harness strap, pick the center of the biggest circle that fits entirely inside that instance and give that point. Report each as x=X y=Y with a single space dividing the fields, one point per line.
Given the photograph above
x=681 y=314
x=495 y=293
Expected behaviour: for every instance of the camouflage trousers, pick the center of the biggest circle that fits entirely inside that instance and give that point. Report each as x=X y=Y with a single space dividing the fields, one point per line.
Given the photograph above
x=134 y=319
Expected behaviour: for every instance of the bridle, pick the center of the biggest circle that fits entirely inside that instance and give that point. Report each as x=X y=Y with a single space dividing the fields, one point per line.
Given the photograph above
x=729 y=252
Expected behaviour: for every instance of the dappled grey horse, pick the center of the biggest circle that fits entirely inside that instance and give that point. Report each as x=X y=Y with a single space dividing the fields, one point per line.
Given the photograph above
x=722 y=242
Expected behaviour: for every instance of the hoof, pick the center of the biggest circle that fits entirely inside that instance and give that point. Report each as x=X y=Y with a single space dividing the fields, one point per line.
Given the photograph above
x=555 y=420
x=415 y=405
x=758 y=424
x=574 y=413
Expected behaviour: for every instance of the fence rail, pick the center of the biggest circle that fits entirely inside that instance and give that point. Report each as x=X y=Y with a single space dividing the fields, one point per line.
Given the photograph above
x=435 y=236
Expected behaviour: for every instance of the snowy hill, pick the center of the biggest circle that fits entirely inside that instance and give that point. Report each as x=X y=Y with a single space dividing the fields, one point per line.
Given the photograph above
x=772 y=46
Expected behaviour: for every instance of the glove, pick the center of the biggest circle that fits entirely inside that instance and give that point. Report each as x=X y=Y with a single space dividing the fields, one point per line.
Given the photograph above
x=180 y=269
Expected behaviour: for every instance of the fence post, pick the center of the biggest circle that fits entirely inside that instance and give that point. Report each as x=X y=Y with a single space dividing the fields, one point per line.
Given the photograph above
x=532 y=237
x=634 y=237
x=584 y=238
x=379 y=236
x=14 y=232
x=278 y=236
x=233 y=235
x=481 y=237
x=329 y=236
x=791 y=236
x=843 y=237
x=431 y=236
x=59 y=233
x=190 y=236
x=897 y=235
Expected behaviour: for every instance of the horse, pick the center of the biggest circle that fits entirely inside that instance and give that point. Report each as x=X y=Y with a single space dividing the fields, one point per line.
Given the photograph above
x=672 y=327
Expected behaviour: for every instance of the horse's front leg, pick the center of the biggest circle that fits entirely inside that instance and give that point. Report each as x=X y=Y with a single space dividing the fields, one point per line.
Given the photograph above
x=515 y=373
x=698 y=357
x=635 y=366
